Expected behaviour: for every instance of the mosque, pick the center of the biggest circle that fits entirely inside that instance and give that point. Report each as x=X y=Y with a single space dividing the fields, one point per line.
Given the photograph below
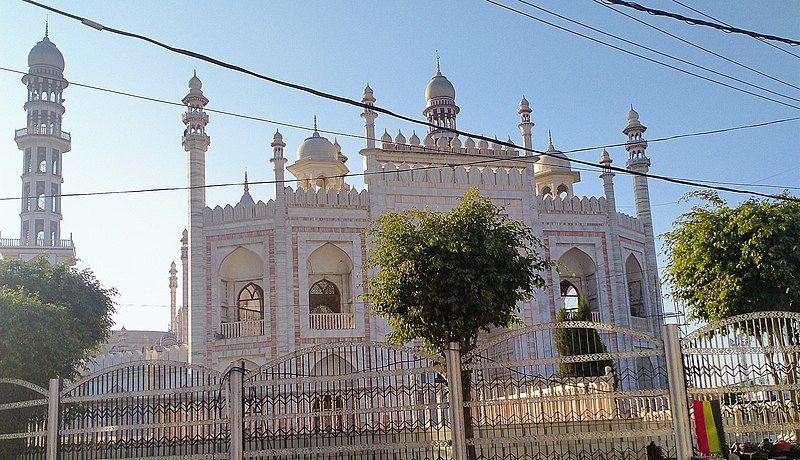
x=261 y=279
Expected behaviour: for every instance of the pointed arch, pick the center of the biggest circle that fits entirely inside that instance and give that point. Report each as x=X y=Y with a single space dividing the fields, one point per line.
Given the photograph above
x=634 y=281
x=330 y=271
x=579 y=270
x=241 y=295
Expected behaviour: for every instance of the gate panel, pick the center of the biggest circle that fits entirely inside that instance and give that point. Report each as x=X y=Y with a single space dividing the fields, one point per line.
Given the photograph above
x=569 y=390
x=145 y=409
x=347 y=401
x=749 y=364
x=23 y=420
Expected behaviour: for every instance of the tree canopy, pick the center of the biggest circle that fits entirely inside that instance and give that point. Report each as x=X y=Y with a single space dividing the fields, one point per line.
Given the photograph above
x=53 y=317
x=579 y=341
x=725 y=261
x=445 y=277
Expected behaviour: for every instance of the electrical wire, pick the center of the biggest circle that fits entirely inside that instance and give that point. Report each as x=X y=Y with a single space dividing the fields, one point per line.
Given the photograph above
x=700 y=22
x=388 y=112
x=723 y=22
x=641 y=56
x=683 y=40
x=652 y=50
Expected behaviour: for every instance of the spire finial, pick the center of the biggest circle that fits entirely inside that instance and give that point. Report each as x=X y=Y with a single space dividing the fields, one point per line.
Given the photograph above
x=194 y=72
x=46 y=27
x=246 y=183
x=550 y=137
x=438 y=67
x=315 y=123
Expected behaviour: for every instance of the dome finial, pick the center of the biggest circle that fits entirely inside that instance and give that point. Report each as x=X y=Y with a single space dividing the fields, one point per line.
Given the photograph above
x=246 y=183
x=46 y=27
x=315 y=124
x=438 y=66
x=549 y=137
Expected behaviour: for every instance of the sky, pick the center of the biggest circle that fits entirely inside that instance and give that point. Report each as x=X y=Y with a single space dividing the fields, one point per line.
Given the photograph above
x=578 y=89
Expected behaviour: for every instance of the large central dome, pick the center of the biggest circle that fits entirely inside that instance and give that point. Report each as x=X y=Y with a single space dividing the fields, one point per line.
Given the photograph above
x=439 y=87
x=316 y=147
x=45 y=53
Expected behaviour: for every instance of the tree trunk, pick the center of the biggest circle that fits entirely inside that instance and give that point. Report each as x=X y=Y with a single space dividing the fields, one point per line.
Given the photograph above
x=469 y=429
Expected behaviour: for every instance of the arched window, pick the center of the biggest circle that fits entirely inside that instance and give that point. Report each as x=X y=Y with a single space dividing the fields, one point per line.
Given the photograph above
x=250 y=303
x=562 y=191
x=324 y=297
x=633 y=275
x=546 y=191
x=570 y=295
x=327 y=408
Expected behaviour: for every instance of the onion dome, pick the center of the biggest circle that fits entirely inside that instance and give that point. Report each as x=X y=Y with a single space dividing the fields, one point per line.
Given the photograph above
x=316 y=147
x=455 y=143
x=414 y=140
x=482 y=144
x=439 y=87
x=552 y=158
x=605 y=158
x=429 y=142
x=524 y=106
x=399 y=139
x=470 y=144
x=45 y=53
x=633 y=122
x=386 y=138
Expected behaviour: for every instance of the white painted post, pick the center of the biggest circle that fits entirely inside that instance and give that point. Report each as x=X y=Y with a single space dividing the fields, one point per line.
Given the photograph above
x=678 y=396
x=235 y=404
x=457 y=429
x=52 y=419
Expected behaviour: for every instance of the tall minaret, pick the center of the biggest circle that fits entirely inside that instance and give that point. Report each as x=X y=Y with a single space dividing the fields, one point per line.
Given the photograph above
x=196 y=142
x=440 y=106
x=525 y=124
x=183 y=320
x=43 y=144
x=639 y=163
x=369 y=116
x=173 y=297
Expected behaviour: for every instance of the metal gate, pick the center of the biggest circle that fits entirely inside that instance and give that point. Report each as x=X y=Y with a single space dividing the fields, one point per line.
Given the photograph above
x=347 y=401
x=568 y=390
x=749 y=364
x=23 y=420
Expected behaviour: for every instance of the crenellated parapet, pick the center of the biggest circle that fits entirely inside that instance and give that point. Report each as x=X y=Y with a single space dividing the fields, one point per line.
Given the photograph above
x=571 y=204
x=630 y=222
x=326 y=198
x=444 y=145
x=239 y=213
x=450 y=174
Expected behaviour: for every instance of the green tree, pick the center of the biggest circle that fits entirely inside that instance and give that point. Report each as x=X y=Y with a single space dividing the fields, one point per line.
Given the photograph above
x=53 y=317
x=580 y=341
x=446 y=277
x=725 y=261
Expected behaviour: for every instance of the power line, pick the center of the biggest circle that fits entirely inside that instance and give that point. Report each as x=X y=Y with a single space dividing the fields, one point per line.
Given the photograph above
x=732 y=61
x=652 y=50
x=388 y=112
x=700 y=22
x=641 y=56
x=723 y=22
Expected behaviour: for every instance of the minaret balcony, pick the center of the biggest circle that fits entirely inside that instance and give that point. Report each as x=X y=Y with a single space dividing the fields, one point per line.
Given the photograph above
x=21 y=242
x=194 y=117
x=41 y=131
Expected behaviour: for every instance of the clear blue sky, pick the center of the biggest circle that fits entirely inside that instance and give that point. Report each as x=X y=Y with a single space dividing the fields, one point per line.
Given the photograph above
x=578 y=89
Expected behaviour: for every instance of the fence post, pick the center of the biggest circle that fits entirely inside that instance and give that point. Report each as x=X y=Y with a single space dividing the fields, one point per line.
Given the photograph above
x=678 y=396
x=456 y=398
x=235 y=404
x=52 y=419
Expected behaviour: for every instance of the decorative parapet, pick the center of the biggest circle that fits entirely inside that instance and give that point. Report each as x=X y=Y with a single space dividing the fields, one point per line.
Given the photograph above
x=574 y=204
x=179 y=352
x=445 y=146
x=630 y=222
x=450 y=174
x=331 y=197
x=240 y=212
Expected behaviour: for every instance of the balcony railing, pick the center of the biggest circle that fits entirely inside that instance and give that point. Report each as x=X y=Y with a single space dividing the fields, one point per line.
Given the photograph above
x=595 y=315
x=43 y=131
x=236 y=329
x=17 y=242
x=329 y=321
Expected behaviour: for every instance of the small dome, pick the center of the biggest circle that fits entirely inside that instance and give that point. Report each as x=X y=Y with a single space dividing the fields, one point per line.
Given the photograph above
x=455 y=143
x=523 y=104
x=317 y=147
x=605 y=158
x=399 y=139
x=482 y=144
x=414 y=140
x=552 y=158
x=633 y=115
x=470 y=144
x=386 y=137
x=195 y=83
x=439 y=87
x=45 y=53
x=429 y=142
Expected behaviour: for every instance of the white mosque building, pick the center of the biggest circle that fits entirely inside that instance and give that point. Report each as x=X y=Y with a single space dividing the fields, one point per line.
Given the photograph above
x=261 y=279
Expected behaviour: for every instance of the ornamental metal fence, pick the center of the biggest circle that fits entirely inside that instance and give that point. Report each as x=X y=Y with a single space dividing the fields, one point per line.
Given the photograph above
x=748 y=366
x=567 y=390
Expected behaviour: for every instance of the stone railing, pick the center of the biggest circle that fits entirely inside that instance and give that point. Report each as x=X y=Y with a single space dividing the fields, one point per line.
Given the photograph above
x=237 y=329
x=43 y=131
x=595 y=315
x=17 y=242
x=328 y=321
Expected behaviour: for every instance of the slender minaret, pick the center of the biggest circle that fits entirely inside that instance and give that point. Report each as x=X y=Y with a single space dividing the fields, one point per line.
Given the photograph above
x=284 y=326
x=619 y=311
x=525 y=124
x=369 y=116
x=43 y=144
x=607 y=177
x=196 y=142
x=173 y=297
x=183 y=313
x=639 y=163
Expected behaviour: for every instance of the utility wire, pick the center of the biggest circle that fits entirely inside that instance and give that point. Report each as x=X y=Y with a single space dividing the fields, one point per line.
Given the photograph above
x=594 y=167
x=388 y=112
x=641 y=56
x=652 y=50
x=700 y=22
x=634 y=18
x=723 y=22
